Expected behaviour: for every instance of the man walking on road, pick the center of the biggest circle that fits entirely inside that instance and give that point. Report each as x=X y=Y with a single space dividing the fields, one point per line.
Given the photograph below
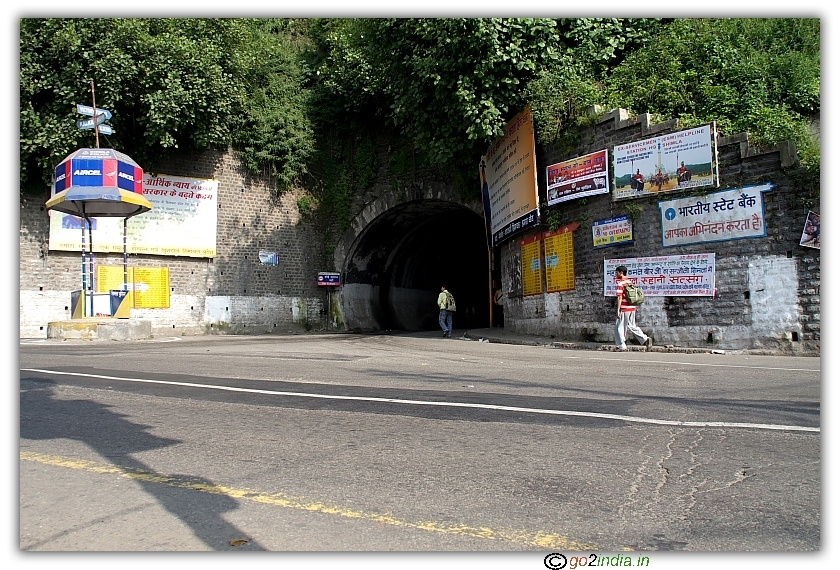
x=446 y=303
x=626 y=314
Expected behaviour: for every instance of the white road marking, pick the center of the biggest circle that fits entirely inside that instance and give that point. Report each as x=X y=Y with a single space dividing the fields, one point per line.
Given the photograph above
x=617 y=417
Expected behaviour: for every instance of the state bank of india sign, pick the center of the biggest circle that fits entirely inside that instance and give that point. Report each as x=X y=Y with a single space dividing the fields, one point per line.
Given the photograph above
x=720 y=216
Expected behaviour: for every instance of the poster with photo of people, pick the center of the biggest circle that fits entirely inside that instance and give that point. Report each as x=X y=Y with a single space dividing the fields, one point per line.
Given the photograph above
x=811 y=231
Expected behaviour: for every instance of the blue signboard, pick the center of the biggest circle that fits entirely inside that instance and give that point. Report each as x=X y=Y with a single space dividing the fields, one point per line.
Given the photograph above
x=269 y=258
x=85 y=110
x=614 y=231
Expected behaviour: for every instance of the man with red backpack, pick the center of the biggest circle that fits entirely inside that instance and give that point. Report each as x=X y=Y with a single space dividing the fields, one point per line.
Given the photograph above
x=625 y=318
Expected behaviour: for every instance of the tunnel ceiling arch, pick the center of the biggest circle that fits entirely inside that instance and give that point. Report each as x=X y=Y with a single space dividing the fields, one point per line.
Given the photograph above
x=394 y=270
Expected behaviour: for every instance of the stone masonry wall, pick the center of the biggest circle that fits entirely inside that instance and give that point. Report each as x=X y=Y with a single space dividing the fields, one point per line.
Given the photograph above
x=768 y=288
x=233 y=292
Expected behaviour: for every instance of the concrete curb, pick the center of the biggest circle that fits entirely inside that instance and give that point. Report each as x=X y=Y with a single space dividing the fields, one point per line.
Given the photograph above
x=522 y=340
x=100 y=329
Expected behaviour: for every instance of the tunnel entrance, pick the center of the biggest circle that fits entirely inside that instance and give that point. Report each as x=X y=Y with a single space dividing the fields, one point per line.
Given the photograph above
x=396 y=267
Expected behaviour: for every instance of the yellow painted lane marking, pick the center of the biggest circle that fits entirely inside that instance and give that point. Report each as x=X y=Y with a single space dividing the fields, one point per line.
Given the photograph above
x=539 y=539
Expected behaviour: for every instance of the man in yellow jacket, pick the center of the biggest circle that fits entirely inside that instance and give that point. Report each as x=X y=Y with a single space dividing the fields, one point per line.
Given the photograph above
x=446 y=304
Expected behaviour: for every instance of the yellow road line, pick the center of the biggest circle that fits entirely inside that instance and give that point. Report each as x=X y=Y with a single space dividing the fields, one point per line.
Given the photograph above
x=542 y=540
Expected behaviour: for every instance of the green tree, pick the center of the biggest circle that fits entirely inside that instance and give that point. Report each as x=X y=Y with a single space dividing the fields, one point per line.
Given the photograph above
x=275 y=135
x=448 y=85
x=760 y=76
x=170 y=84
x=452 y=82
x=173 y=84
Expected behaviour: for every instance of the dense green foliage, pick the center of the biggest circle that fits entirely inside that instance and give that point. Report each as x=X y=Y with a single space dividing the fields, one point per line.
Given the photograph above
x=449 y=85
x=275 y=134
x=760 y=76
x=170 y=84
x=305 y=100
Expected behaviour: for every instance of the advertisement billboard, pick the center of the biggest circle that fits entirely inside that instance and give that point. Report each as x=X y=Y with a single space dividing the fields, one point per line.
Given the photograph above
x=182 y=222
x=613 y=231
x=509 y=180
x=666 y=276
x=577 y=178
x=676 y=161
x=732 y=214
x=811 y=231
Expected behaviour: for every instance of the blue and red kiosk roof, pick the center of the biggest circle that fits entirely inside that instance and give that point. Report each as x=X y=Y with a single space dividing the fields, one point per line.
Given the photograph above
x=107 y=182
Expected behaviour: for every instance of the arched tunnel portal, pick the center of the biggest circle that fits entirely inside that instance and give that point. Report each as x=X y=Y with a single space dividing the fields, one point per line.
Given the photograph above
x=396 y=266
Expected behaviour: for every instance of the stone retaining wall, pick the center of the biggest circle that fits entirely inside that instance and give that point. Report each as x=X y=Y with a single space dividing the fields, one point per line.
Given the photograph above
x=767 y=288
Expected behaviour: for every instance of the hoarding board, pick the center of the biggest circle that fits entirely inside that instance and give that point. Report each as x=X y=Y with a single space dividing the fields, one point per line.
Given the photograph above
x=613 y=231
x=811 y=231
x=666 y=276
x=508 y=174
x=720 y=216
x=671 y=162
x=577 y=178
x=531 y=266
x=182 y=222
x=560 y=259
x=148 y=287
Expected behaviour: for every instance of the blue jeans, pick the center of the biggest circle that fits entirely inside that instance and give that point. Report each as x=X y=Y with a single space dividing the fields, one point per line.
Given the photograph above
x=446 y=321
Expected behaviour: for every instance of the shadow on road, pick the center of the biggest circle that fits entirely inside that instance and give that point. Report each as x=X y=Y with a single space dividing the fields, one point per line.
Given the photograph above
x=111 y=435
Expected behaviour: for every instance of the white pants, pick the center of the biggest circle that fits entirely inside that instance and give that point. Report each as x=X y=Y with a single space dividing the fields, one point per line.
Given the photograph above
x=627 y=321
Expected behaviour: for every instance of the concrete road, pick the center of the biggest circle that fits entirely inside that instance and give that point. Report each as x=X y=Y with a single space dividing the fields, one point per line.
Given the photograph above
x=412 y=442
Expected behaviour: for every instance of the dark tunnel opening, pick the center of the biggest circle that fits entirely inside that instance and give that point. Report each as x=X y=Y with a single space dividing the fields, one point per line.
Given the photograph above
x=396 y=267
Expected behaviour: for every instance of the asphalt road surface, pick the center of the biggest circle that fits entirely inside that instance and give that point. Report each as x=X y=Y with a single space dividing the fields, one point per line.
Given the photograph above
x=411 y=442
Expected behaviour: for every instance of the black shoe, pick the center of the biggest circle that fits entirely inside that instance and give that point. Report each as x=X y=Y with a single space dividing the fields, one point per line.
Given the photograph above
x=444 y=334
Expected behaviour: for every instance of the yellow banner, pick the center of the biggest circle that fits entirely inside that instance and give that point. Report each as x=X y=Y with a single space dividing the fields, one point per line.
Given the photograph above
x=509 y=179
x=531 y=266
x=110 y=277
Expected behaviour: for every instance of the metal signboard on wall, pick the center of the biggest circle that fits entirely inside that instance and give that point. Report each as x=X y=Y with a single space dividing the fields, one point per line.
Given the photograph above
x=531 y=265
x=329 y=279
x=509 y=180
x=269 y=258
x=149 y=287
x=577 y=178
x=182 y=222
x=666 y=276
x=560 y=259
x=676 y=161
x=613 y=231
x=732 y=214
